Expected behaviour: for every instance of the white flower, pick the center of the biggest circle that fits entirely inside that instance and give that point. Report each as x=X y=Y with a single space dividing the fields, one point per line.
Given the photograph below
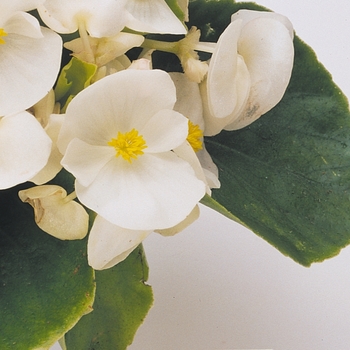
x=118 y=138
x=56 y=213
x=99 y=17
x=249 y=70
x=25 y=148
x=153 y=16
x=30 y=57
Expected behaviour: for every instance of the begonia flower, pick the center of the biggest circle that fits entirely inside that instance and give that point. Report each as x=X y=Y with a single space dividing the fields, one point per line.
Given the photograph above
x=25 y=148
x=249 y=70
x=30 y=57
x=56 y=213
x=117 y=140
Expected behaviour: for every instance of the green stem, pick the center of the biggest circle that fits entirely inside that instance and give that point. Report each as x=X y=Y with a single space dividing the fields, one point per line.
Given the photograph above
x=165 y=46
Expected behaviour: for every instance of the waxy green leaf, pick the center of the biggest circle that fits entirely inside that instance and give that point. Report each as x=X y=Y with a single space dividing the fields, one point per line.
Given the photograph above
x=287 y=175
x=122 y=302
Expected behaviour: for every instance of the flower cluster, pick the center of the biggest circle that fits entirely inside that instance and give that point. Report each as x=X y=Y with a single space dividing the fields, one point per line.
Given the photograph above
x=132 y=136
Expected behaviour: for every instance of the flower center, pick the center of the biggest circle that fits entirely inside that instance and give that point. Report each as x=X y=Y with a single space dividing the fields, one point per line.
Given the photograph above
x=129 y=145
x=2 y=33
x=195 y=135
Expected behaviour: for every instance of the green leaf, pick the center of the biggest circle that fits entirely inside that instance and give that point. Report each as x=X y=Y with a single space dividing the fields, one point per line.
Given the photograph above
x=74 y=77
x=45 y=284
x=122 y=302
x=287 y=175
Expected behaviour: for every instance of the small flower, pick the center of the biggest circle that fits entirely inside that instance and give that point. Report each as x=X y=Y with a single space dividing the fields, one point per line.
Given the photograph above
x=56 y=213
x=249 y=70
x=118 y=139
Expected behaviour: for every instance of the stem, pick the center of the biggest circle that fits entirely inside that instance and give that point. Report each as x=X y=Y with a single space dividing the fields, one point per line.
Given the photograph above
x=85 y=39
x=165 y=46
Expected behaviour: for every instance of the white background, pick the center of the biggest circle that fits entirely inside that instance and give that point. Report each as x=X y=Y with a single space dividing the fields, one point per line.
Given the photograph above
x=218 y=286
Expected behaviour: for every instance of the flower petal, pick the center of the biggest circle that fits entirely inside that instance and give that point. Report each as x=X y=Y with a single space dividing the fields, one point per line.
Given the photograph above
x=119 y=102
x=214 y=125
x=85 y=161
x=192 y=217
x=153 y=16
x=53 y=165
x=54 y=214
x=23 y=23
x=188 y=99
x=25 y=148
x=28 y=69
x=154 y=191
x=267 y=48
x=65 y=16
x=166 y=130
x=226 y=92
x=9 y=7
x=109 y=244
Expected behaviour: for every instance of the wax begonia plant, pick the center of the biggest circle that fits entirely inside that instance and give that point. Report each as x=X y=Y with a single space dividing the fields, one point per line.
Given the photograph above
x=149 y=109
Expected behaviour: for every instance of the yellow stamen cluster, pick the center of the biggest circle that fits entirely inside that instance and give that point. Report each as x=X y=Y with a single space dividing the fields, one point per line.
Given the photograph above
x=129 y=145
x=195 y=136
x=2 y=33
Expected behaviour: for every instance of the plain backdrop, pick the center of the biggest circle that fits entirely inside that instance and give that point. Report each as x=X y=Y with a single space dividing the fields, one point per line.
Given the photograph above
x=219 y=286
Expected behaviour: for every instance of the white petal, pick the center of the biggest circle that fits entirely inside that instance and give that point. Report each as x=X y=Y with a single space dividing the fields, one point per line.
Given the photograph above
x=53 y=165
x=110 y=244
x=248 y=15
x=166 y=130
x=267 y=48
x=186 y=152
x=154 y=191
x=153 y=16
x=228 y=78
x=119 y=102
x=210 y=170
x=214 y=125
x=28 y=69
x=85 y=161
x=9 y=7
x=23 y=23
x=65 y=16
x=25 y=149
x=54 y=214
x=192 y=217
x=188 y=99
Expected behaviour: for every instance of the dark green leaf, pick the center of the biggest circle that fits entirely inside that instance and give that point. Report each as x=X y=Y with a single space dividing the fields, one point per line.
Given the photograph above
x=122 y=302
x=45 y=284
x=287 y=175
